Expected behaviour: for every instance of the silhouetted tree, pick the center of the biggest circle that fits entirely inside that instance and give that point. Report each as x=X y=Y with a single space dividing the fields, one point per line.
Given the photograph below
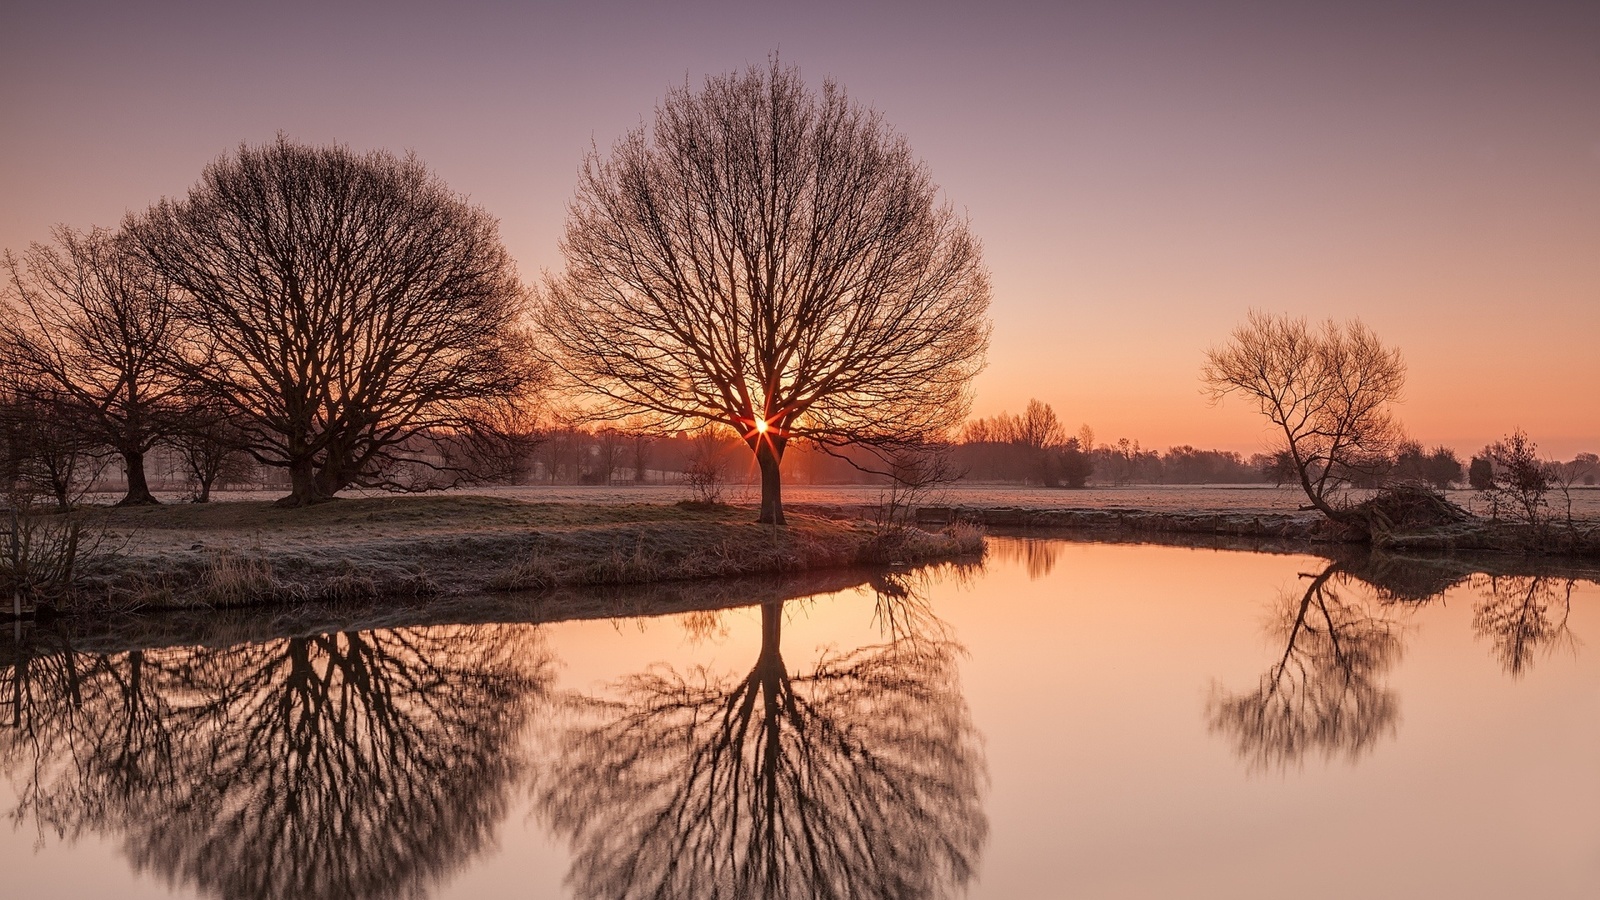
x=1410 y=463
x=1588 y=467
x=860 y=780
x=1070 y=464
x=1480 y=474
x=1327 y=390
x=640 y=446
x=49 y=449
x=775 y=261
x=1277 y=468
x=1322 y=695
x=1442 y=468
x=88 y=324
x=212 y=446
x=1519 y=479
x=1190 y=465
x=1028 y=447
x=350 y=305
x=609 y=445
x=1438 y=468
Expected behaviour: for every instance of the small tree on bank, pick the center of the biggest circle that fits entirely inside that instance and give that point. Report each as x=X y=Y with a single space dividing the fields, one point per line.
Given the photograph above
x=775 y=261
x=1326 y=390
x=1519 y=479
x=350 y=307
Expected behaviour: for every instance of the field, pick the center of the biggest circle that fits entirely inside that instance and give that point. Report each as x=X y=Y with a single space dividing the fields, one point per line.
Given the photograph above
x=242 y=552
x=1232 y=499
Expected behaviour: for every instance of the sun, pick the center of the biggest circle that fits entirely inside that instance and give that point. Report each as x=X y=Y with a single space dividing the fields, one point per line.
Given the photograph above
x=761 y=425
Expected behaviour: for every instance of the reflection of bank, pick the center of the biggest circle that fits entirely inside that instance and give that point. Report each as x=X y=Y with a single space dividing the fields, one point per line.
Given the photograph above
x=354 y=764
x=862 y=778
x=1325 y=696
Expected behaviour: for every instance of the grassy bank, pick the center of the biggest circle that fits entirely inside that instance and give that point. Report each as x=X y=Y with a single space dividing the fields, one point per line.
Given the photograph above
x=1578 y=539
x=393 y=548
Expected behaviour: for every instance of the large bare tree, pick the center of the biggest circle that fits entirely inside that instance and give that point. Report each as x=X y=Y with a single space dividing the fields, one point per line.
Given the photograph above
x=353 y=307
x=1327 y=390
x=89 y=324
x=775 y=260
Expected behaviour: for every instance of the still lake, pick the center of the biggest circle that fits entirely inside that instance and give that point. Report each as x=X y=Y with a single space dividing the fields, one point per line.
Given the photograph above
x=1067 y=720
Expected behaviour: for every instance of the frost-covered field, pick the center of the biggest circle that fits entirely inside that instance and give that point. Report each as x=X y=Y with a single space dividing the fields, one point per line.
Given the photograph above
x=1156 y=498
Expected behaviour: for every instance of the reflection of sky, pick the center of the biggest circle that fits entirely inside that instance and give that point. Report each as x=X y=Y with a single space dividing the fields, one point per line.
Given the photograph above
x=1140 y=174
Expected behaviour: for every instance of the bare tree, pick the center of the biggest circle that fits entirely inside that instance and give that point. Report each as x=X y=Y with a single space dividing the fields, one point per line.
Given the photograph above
x=705 y=470
x=49 y=449
x=351 y=305
x=774 y=260
x=1328 y=391
x=1030 y=447
x=640 y=445
x=1519 y=479
x=1039 y=428
x=90 y=324
x=212 y=448
x=610 y=445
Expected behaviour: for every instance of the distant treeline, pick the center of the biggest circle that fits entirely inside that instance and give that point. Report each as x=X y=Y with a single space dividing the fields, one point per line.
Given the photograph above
x=1034 y=448
x=1031 y=448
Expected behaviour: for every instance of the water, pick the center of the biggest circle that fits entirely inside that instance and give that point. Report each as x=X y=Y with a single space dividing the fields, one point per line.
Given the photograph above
x=1073 y=720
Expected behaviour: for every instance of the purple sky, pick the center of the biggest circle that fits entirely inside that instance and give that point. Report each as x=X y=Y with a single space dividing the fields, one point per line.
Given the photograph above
x=1141 y=175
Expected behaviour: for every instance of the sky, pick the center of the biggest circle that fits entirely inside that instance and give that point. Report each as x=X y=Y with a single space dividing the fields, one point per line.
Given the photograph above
x=1141 y=175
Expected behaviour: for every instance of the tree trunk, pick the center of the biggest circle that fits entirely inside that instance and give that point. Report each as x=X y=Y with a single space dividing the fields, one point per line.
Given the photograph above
x=61 y=489
x=769 y=454
x=1317 y=501
x=304 y=487
x=138 y=487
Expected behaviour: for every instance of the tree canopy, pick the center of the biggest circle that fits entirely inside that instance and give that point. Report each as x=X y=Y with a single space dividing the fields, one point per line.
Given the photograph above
x=1327 y=390
x=351 y=306
x=775 y=260
x=87 y=327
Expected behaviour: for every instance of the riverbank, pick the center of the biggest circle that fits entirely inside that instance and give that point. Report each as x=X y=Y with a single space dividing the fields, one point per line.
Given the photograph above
x=191 y=627
x=1579 y=538
x=399 y=548
x=396 y=549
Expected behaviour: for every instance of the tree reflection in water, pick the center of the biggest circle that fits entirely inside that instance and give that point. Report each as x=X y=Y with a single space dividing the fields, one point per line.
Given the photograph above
x=358 y=764
x=91 y=737
x=1039 y=556
x=1521 y=615
x=1323 y=695
x=861 y=779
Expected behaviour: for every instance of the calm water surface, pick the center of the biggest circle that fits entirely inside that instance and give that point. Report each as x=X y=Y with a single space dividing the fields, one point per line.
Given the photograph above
x=1072 y=720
